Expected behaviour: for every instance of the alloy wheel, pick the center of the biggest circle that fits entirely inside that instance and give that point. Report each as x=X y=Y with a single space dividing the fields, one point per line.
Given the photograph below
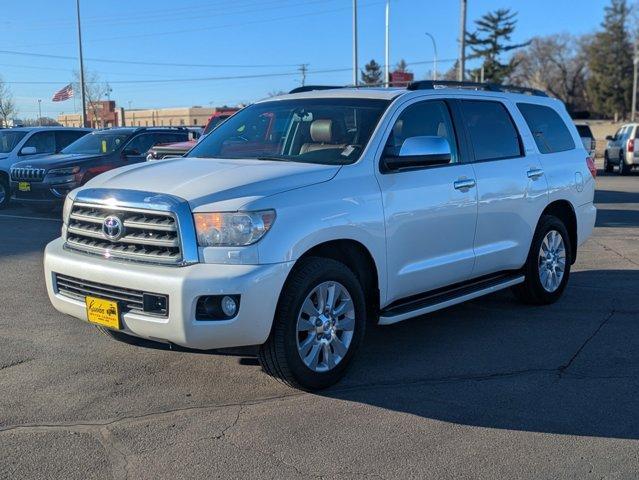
x=325 y=326
x=552 y=261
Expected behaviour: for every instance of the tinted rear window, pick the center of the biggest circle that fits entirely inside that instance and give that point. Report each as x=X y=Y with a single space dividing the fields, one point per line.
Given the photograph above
x=549 y=130
x=584 y=130
x=492 y=131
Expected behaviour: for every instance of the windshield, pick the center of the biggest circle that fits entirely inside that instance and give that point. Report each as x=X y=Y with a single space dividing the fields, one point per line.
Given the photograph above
x=98 y=143
x=9 y=140
x=329 y=131
x=214 y=123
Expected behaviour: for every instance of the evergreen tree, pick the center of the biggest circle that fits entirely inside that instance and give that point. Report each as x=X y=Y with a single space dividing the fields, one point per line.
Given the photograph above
x=610 y=62
x=401 y=66
x=489 y=41
x=372 y=73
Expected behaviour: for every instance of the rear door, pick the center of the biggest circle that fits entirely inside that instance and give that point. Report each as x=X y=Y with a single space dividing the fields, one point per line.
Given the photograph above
x=511 y=186
x=430 y=211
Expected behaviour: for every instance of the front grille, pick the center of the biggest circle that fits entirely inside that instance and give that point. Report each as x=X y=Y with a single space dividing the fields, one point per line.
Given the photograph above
x=150 y=236
x=130 y=300
x=27 y=174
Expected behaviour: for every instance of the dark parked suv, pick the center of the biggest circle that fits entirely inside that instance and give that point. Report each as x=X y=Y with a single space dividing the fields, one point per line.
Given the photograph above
x=43 y=183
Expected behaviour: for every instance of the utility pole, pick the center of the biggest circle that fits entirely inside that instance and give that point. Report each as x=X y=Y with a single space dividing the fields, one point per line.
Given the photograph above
x=434 y=55
x=387 y=47
x=355 y=66
x=635 y=60
x=82 y=91
x=462 y=42
x=303 y=69
x=39 y=112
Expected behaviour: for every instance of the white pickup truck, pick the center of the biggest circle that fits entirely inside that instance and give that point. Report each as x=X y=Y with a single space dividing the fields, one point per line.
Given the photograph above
x=305 y=217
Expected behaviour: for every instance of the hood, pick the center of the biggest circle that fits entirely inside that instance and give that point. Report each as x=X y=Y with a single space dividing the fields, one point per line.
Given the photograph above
x=205 y=181
x=59 y=160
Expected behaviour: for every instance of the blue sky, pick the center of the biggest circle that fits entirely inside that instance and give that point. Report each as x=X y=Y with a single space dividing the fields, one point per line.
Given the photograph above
x=231 y=38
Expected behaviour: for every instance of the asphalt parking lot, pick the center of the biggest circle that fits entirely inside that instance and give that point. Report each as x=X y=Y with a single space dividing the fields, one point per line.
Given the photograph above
x=489 y=389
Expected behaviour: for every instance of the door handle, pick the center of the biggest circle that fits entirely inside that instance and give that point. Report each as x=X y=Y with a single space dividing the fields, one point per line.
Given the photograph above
x=535 y=173
x=464 y=184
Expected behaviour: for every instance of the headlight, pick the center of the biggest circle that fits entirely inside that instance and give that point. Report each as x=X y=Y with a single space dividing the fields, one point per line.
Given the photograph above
x=232 y=229
x=66 y=210
x=58 y=172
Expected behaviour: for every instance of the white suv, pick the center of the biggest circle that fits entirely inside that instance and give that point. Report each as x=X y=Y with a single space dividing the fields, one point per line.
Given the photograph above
x=304 y=217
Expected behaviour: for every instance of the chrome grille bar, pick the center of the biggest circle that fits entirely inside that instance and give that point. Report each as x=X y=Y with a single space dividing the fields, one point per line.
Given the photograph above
x=28 y=174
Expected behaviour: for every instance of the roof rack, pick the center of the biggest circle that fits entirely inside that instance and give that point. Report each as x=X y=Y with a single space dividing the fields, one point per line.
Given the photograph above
x=310 y=88
x=491 y=87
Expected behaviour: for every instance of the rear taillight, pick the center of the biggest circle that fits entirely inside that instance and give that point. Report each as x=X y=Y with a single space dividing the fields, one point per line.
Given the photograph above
x=590 y=163
x=631 y=145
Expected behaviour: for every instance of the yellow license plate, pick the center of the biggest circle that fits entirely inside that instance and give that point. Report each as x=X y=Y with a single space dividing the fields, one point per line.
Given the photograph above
x=103 y=312
x=24 y=186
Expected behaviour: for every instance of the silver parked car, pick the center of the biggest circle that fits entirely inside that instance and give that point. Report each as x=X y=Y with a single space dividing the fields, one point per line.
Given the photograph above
x=621 y=150
x=24 y=143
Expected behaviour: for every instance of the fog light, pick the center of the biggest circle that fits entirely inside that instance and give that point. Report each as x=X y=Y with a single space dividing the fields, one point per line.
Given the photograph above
x=217 y=307
x=229 y=307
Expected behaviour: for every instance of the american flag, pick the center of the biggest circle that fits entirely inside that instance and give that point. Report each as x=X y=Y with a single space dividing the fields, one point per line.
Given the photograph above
x=64 y=94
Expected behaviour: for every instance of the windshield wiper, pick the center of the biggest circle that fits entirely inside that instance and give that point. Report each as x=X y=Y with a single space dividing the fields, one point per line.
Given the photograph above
x=275 y=159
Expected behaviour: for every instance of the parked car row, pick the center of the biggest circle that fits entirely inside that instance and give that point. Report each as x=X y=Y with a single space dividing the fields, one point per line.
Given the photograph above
x=39 y=166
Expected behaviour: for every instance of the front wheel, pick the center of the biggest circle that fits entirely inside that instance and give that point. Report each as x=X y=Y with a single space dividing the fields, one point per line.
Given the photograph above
x=319 y=324
x=607 y=164
x=548 y=265
x=5 y=193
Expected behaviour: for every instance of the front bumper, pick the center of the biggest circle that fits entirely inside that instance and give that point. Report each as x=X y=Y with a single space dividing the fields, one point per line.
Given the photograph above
x=258 y=285
x=42 y=193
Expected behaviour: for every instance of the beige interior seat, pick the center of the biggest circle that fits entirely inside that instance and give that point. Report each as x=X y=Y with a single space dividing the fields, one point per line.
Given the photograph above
x=326 y=134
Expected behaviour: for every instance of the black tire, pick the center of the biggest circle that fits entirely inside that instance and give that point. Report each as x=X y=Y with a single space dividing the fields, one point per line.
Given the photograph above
x=607 y=165
x=5 y=193
x=623 y=168
x=279 y=356
x=532 y=291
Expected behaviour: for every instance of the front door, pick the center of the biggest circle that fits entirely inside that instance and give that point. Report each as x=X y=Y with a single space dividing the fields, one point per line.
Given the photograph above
x=430 y=212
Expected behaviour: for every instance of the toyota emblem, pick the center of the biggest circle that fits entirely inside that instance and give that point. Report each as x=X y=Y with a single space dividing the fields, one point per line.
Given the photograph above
x=112 y=228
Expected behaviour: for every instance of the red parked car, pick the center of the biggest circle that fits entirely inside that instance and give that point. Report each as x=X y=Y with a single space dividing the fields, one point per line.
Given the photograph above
x=159 y=152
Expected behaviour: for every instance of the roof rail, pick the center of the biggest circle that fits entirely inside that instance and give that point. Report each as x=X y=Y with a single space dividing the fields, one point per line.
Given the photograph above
x=491 y=87
x=310 y=88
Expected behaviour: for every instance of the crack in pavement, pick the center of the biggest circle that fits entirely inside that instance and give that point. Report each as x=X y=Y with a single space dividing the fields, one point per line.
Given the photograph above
x=567 y=365
x=610 y=249
x=15 y=363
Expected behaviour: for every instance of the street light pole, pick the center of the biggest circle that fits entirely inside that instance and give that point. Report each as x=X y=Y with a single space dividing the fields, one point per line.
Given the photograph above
x=387 y=47
x=461 y=69
x=82 y=90
x=434 y=55
x=635 y=60
x=39 y=112
x=355 y=66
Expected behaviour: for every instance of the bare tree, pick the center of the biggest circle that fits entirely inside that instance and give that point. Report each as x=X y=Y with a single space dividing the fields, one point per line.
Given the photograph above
x=95 y=89
x=557 y=64
x=8 y=108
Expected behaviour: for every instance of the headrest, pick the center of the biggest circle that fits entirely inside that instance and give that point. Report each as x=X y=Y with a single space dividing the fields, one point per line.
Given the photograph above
x=322 y=130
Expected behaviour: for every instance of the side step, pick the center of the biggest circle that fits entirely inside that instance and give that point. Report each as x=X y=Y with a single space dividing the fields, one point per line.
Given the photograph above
x=432 y=301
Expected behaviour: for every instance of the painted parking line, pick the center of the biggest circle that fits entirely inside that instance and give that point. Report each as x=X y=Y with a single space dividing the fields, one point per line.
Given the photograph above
x=24 y=217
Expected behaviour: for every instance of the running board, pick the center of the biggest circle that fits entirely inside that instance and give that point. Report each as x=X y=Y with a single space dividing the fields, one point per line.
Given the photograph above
x=447 y=298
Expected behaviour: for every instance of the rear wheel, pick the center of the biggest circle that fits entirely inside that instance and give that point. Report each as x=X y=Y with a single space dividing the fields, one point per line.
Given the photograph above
x=4 y=193
x=547 y=268
x=319 y=324
x=623 y=168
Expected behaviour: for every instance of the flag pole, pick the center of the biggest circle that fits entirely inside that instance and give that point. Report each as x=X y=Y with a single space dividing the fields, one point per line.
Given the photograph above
x=82 y=93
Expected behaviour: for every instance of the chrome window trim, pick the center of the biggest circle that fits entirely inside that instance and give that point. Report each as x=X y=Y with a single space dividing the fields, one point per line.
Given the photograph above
x=144 y=202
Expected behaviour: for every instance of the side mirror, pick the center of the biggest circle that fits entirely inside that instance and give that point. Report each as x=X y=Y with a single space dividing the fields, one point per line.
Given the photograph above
x=610 y=138
x=420 y=151
x=130 y=152
x=28 y=151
